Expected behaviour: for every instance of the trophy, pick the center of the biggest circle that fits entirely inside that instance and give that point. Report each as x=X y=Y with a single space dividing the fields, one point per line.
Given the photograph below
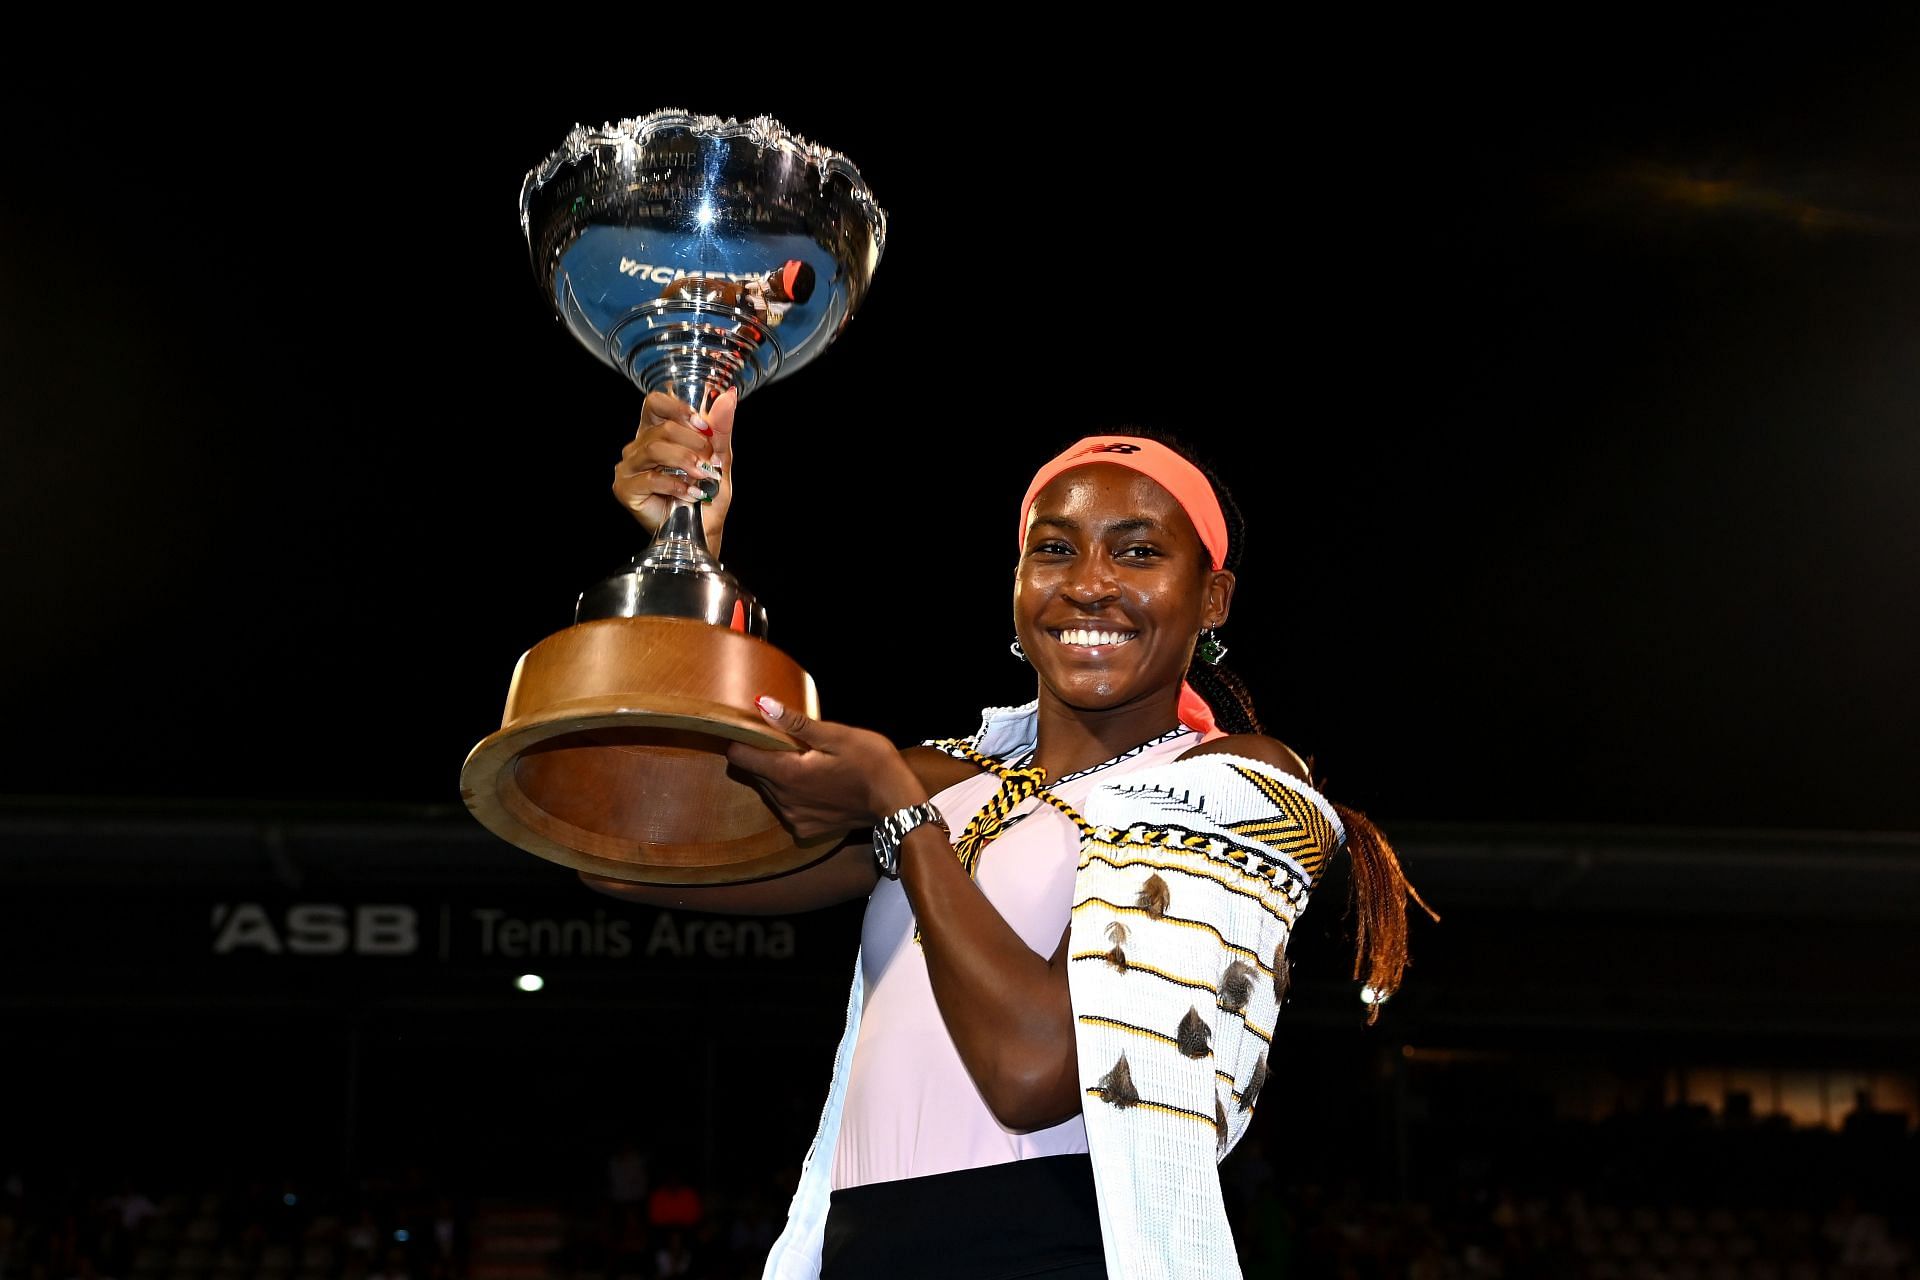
x=694 y=255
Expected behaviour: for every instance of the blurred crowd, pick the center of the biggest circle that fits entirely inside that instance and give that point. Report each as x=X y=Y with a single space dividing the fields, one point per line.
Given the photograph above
x=1666 y=1196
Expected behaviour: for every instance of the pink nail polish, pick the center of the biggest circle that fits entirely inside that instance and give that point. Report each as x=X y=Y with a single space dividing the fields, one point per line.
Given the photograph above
x=700 y=425
x=770 y=706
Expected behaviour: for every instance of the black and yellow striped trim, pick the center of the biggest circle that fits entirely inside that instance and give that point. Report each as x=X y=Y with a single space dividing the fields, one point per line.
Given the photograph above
x=1265 y=1037
x=1236 y=948
x=1217 y=848
x=1167 y=1107
x=1158 y=973
x=1231 y=1091
x=1259 y=964
x=1124 y=862
x=1299 y=830
x=1017 y=777
x=1101 y=1021
x=1016 y=786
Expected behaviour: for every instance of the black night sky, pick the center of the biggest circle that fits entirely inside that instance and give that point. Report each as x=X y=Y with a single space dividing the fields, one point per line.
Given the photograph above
x=1571 y=381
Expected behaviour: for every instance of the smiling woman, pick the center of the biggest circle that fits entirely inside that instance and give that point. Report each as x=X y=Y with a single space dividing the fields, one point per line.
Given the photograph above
x=1075 y=946
x=1106 y=604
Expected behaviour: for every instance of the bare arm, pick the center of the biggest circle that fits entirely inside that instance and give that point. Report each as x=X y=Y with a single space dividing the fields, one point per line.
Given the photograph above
x=1006 y=1008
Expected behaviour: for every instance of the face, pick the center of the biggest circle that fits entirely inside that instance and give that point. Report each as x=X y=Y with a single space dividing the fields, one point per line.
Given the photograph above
x=1113 y=589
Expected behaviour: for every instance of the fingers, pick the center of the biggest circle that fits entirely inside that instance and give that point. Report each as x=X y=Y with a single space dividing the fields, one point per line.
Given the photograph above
x=790 y=719
x=676 y=468
x=762 y=762
x=774 y=765
x=781 y=777
x=659 y=407
x=636 y=488
x=720 y=418
x=674 y=435
x=671 y=455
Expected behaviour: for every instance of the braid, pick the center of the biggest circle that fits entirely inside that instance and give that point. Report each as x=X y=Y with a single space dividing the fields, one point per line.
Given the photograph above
x=1227 y=694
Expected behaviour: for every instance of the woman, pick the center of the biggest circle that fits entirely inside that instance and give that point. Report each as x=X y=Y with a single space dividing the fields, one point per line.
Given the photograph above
x=1075 y=941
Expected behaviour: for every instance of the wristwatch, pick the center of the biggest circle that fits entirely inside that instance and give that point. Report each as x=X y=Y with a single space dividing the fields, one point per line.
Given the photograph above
x=892 y=829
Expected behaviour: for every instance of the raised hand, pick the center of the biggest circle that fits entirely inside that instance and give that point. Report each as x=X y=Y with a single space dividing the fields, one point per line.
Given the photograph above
x=672 y=437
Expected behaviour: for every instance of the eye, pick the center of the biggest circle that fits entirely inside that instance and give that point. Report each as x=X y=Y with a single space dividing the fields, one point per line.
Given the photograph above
x=1140 y=551
x=1050 y=547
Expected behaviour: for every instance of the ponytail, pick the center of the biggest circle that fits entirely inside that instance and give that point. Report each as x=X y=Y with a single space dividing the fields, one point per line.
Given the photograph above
x=1377 y=898
x=1379 y=892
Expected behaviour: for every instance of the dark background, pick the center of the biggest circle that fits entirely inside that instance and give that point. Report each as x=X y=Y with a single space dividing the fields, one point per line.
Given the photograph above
x=1570 y=378
x=1568 y=373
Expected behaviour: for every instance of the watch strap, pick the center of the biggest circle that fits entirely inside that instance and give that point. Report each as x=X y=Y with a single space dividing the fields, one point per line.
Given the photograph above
x=891 y=830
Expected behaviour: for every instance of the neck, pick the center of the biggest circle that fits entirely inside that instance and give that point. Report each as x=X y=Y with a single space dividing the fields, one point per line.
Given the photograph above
x=1073 y=738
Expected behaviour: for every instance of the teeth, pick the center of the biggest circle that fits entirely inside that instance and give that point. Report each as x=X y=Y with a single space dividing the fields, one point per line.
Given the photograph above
x=1090 y=638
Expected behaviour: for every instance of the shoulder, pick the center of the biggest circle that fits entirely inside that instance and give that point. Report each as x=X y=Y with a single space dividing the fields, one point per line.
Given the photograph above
x=1255 y=746
x=936 y=769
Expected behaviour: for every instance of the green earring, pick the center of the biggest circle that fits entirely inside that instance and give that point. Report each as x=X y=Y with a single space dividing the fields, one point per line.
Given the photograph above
x=1210 y=650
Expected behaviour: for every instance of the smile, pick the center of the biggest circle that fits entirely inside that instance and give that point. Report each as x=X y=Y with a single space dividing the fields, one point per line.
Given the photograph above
x=1086 y=638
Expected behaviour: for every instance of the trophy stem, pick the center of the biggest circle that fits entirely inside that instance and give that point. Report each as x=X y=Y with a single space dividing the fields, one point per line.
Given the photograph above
x=681 y=544
x=692 y=347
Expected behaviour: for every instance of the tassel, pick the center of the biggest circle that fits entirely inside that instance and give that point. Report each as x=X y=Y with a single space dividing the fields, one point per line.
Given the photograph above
x=1117 y=1085
x=1220 y=1124
x=1282 y=975
x=1379 y=901
x=1193 y=1035
x=1154 y=897
x=1254 y=1085
x=1236 y=986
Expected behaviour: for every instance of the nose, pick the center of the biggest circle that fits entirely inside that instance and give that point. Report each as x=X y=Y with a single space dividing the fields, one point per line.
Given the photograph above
x=1093 y=581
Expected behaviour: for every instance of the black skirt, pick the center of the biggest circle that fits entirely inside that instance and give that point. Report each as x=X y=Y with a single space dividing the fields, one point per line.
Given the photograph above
x=1025 y=1218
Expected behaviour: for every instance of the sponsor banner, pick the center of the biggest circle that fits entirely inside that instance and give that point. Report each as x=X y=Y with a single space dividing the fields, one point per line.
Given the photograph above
x=450 y=933
x=65 y=943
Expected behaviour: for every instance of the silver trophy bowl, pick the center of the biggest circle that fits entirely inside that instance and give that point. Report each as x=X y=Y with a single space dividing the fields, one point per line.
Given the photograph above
x=696 y=254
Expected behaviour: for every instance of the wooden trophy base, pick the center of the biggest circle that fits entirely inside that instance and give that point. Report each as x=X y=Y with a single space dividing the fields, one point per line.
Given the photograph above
x=611 y=758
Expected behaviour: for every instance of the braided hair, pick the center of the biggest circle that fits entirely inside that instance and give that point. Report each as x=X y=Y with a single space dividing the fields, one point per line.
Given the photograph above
x=1378 y=890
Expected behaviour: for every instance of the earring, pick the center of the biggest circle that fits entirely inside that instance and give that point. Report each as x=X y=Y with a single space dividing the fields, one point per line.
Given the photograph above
x=1016 y=650
x=1210 y=650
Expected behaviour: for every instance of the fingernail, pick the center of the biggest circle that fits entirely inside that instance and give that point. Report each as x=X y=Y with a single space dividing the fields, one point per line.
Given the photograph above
x=711 y=468
x=700 y=425
x=770 y=707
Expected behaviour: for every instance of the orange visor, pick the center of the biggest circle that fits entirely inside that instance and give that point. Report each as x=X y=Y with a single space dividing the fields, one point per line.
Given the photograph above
x=1178 y=477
